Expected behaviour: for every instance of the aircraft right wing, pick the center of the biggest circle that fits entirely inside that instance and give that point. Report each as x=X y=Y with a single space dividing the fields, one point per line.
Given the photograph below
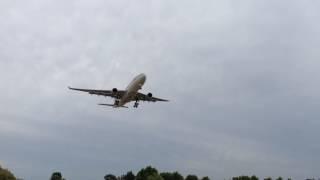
x=147 y=97
x=115 y=94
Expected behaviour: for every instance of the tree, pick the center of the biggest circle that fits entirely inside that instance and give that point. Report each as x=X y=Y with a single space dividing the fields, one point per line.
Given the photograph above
x=205 y=178
x=110 y=177
x=192 y=177
x=268 y=178
x=148 y=173
x=56 y=176
x=6 y=174
x=166 y=176
x=177 y=176
x=241 y=178
x=279 y=178
x=254 y=177
x=129 y=176
x=171 y=176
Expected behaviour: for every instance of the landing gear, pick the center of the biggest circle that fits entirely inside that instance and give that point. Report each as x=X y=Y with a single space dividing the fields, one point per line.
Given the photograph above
x=116 y=102
x=136 y=104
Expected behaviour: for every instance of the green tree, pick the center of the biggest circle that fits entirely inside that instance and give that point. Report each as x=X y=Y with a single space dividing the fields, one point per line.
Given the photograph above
x=148 y=173
x=110 y=177
x=205 y=178
x=6 y=174
x=171 y=176
x=279 y=178
x=129 y=176
x=155 y=177
x=167 y=176
x=254 y=177
x=268 y=178
x=177 y=176
x=241 y=178
x=192 y=177
x=56 y=176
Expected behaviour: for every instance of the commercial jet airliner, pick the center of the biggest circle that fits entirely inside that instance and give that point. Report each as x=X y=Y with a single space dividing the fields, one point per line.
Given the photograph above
x=124 y=96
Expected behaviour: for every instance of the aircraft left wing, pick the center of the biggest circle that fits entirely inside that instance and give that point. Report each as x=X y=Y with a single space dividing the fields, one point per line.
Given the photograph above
x=118 y=94
x=147 y=97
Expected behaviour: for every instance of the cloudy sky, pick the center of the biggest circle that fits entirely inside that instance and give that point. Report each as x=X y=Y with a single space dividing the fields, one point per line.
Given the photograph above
x=242 y=76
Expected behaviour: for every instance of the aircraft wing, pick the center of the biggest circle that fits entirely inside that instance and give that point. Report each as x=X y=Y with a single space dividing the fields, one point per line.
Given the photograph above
x=109 y=93
x=145 y=97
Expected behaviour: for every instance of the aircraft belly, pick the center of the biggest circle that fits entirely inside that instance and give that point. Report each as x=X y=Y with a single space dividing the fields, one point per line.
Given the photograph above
x=127 y=97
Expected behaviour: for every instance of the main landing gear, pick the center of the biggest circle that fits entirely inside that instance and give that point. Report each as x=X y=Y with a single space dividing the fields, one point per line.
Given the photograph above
x=136 y=104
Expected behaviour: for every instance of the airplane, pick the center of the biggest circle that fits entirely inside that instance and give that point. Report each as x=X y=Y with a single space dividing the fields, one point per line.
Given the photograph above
x=125 y=96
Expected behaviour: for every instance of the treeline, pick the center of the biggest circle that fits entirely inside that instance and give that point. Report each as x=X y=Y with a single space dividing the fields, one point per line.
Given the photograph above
x=150 y=173
x=255 y=178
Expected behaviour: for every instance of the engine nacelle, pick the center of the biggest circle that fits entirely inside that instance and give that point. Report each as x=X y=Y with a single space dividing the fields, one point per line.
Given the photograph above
x=149 y=95
x=114 y=90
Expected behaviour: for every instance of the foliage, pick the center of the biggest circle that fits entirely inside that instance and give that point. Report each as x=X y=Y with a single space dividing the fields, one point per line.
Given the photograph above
x=6 y=174
x=151 y=173
x=205 y=178
x=56 y=176
x=128 y=176
x=192 y=177
x=177 y=176
x=171 y=176
x=245 y=178
x=241 y=178
x=110 y=177
x=166 y=176
x=148 y=173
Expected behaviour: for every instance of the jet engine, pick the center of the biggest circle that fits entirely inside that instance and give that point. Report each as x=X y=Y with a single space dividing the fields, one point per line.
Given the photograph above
x=149 y=95
x=114 y=90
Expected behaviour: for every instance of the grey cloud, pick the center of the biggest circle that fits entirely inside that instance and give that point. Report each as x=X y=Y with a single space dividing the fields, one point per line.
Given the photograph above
x=241 y=76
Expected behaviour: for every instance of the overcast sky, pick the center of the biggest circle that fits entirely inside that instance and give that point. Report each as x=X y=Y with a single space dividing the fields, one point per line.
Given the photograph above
x=242 y=76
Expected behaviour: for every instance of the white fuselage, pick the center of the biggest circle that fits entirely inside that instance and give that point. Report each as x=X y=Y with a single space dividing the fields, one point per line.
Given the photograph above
x=132 y=89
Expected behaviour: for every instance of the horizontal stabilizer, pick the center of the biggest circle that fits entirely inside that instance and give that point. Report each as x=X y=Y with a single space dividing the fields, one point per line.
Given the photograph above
x=112 y=105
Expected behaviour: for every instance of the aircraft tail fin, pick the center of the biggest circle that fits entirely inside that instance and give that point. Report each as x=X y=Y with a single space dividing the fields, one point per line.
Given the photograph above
x=112 y=105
